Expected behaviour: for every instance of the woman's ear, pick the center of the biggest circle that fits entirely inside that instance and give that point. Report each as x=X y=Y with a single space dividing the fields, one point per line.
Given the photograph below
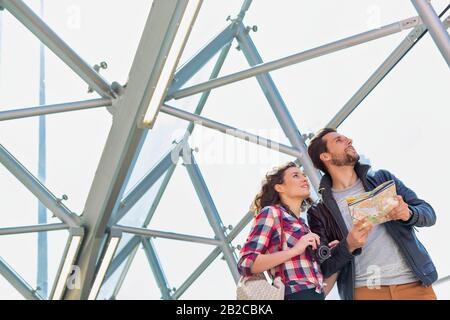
x=278 y=188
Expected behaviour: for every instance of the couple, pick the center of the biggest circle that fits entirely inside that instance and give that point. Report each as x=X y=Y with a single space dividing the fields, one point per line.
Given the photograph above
x=384 y=261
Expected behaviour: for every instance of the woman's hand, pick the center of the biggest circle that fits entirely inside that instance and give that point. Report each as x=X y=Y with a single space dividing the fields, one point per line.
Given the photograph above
x=309 y=239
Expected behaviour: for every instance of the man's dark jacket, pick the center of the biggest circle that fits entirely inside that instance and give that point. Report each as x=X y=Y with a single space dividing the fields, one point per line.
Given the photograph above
x=325 y=219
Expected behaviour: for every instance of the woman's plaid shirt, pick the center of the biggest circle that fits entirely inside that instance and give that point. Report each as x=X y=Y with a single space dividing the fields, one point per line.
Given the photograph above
x=301 y=272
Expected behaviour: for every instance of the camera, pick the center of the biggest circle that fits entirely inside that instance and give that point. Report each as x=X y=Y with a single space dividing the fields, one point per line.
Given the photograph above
x=322 y=253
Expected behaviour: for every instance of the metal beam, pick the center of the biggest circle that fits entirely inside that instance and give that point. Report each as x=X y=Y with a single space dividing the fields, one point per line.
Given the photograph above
x=18 y=282
x=279 y=107
x=437 y=30
x=125 y=137
x=182 y=76
x=221 y=41
x=299 y=57
x=129 y=249
x=245 y=6
x=38 y=189
x=205 y=95
x=142 y=232
x=121 y=256
x=394 y=58
x=35 y=228
x=48 y=37
x=42 y=247
x=66 y=265
x=134 y=242
x=157 y=200
x=54 y=108
x=201 y=58
x=212 y=256
x=250 y=137
x=138 y=191
x=123 y=273
x=157 y=270
x=441 y=281
x=210 y=211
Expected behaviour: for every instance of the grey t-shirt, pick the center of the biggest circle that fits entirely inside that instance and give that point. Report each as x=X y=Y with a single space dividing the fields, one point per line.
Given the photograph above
x=381 y=262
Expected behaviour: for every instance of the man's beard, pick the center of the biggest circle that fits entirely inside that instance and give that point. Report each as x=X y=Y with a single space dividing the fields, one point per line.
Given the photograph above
x=346 y=160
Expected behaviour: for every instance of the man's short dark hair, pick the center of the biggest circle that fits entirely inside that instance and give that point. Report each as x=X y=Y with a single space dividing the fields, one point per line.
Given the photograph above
x=317 y=146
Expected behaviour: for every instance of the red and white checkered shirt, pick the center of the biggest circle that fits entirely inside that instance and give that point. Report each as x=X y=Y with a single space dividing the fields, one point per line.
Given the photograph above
x=301 y=272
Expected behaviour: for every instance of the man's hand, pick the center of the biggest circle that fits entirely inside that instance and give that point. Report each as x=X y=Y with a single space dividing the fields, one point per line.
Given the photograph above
x=357 y=236
x=333 y=244
x=400 y=212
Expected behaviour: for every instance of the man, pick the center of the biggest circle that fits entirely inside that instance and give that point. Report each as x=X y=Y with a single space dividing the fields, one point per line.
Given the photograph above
x=385 y=261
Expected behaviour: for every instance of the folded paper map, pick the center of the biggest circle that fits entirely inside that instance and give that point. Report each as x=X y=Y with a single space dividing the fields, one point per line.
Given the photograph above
x=375 y=204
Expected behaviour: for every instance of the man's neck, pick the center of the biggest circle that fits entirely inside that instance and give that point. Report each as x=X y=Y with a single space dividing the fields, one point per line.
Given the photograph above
x=343 y=177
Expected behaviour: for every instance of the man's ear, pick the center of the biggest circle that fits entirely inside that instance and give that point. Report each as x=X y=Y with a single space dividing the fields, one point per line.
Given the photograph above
x=325 y=156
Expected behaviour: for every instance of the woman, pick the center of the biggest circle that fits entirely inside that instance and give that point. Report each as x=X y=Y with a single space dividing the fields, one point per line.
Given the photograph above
x=285 y=191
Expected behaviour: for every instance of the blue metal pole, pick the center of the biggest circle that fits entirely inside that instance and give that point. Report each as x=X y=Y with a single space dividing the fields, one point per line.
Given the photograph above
x=42 y=254
x=155 y=265
x=244 y=9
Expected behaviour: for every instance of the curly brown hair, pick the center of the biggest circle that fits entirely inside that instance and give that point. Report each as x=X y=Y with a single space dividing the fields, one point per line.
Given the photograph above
x=268 y=196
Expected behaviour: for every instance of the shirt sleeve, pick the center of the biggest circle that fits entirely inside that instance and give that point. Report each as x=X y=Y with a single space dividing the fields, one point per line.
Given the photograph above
x=258 y=240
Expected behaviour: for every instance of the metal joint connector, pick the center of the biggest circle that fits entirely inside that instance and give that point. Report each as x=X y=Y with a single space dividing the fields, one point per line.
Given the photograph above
x=97 y=68
x=411 y=22
x=415 y=34
x=60 y=200
x=253 y=28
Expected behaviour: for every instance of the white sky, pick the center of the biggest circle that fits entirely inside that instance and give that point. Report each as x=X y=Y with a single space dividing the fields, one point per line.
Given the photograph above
x=400 y=126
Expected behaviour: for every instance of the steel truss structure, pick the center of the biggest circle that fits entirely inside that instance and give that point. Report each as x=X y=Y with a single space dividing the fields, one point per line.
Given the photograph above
x=94 y=236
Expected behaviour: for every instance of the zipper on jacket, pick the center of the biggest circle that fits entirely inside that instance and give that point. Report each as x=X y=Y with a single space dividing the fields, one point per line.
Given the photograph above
x=407 y=254
x=352 y=261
